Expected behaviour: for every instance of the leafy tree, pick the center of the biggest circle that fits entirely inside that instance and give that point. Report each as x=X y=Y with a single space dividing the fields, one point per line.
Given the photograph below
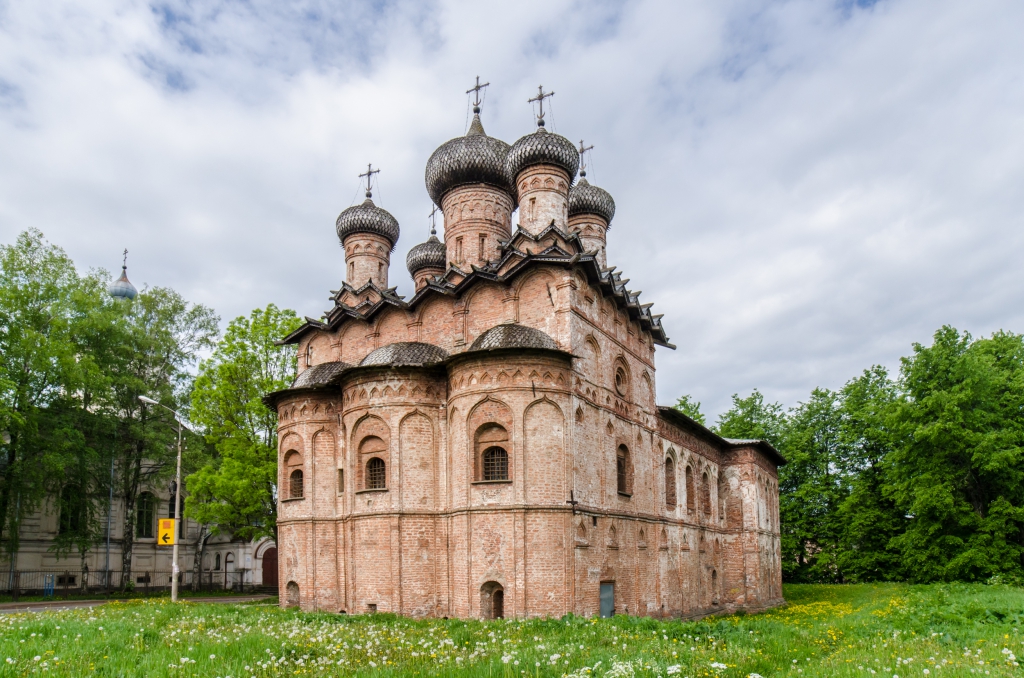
x=957 y=470
x=811 y=487
x=752 y=418
x=690 y=408
x=236 y=490
x=869 y=516
x=44 y=311
x=161 y=336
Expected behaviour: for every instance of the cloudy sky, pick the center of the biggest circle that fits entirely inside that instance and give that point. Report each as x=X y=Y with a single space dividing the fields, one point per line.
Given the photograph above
x=804 y=188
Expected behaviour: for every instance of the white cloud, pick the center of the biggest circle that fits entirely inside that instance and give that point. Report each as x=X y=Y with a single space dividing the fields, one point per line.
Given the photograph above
x=803 y=189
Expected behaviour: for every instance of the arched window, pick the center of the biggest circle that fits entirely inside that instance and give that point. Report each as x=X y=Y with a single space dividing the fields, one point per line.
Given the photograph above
x=691 y=495
x=376 y=477
x=309 y=353
x=295 y=484
x=670 y=483
x=621 y=381
x=145 y=516
x=705 y=494
x=491 y=445
x=623 y=481
x=229 y=562
x=293 y=474
x=216 y=562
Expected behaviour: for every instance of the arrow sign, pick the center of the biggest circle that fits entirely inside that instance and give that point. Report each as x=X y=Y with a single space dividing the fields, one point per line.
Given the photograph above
x=166 y=534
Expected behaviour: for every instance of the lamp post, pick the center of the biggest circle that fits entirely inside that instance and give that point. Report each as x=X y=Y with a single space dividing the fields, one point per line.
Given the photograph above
x=177 y=495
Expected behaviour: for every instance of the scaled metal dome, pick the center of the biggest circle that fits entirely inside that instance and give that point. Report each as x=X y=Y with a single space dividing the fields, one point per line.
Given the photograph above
x=429 y=254
x=585 y=198
x=472 y=159
x=367 y=218
x=122 y=288
x=406 y=353
x=513 y=335
x=542 y=148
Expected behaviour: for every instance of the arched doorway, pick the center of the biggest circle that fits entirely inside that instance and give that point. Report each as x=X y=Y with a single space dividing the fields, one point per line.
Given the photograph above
x=492 y=601
x=270 y=569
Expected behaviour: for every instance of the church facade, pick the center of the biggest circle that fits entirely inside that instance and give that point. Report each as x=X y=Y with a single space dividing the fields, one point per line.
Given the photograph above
x=492 y=446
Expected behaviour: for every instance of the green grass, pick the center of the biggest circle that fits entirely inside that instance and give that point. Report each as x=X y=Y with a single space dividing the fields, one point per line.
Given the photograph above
x=117 y=594
x=864 y=630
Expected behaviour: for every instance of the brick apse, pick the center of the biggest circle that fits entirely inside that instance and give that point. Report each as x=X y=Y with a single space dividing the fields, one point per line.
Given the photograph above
x=492 y=446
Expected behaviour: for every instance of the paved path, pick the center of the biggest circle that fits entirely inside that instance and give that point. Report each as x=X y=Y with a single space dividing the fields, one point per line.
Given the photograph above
x=44 y=605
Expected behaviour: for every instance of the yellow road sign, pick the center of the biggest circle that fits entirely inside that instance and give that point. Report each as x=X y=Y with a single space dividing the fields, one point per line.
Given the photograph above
x=165 y=536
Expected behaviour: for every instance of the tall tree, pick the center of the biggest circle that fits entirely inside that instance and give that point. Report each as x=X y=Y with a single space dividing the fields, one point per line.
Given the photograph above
x=958 y=469
x=811 y=487
x=43 y=307
x=869 y=516
x=236 y=490
x=162 y=336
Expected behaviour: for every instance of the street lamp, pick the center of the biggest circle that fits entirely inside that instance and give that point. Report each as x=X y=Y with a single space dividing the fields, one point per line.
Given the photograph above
x=177 y=494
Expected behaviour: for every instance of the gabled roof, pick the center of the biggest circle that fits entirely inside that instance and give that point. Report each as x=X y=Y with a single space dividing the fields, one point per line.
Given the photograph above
x=674 y=416
x=521 y=252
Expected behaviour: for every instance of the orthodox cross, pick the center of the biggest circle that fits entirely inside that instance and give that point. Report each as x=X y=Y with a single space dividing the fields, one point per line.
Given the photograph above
x=541 y=96
x=369 y=178
x=583 y=157
x=572 y=502
x=476 y=94
x=124 y=263
x=433 y=225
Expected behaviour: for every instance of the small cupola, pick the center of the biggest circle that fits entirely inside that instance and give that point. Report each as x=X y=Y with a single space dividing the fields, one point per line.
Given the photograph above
x=368 y=234
x=122 y=288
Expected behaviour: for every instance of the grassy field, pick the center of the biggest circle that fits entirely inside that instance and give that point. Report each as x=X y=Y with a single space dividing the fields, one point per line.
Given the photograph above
x=867 y=630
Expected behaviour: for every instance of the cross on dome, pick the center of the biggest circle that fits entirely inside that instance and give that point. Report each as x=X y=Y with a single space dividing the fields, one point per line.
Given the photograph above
x=433 y=223
x=476 y=94
x=541 y=96
x=583 y=157
x=369 y=178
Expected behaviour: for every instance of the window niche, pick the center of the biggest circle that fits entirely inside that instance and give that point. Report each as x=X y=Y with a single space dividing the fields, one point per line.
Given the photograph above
x=670 y=484
x=372 y=451
x=491 y=446
x=623 y=472
x=295 y=481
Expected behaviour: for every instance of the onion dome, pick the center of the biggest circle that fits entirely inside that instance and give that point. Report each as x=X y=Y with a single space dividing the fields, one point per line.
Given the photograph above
x=513 y=335
x=122 y=288
x=473 y=159
x=429 y=254
x=367 y=218
x=542 y=148
x=406 y=354
x=585 y=198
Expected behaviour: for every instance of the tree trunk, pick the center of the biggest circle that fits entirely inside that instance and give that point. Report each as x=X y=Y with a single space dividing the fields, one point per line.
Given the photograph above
x=200 y=551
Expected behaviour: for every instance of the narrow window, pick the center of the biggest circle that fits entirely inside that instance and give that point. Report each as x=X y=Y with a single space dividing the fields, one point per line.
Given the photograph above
x=295 y=484
x=145 y=516
x=216 y=562
x=622 y=470
x=691 y=496
x=705 y=494
x=495 y=464
x=309 y=354
x=483 y=244
x=670 y=483
x=375 y=474
x=341 y=480
x=458 y=250
x=533 y=208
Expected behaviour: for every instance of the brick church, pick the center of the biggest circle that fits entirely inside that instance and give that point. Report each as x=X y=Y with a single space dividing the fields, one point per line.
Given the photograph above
x=491 y=446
